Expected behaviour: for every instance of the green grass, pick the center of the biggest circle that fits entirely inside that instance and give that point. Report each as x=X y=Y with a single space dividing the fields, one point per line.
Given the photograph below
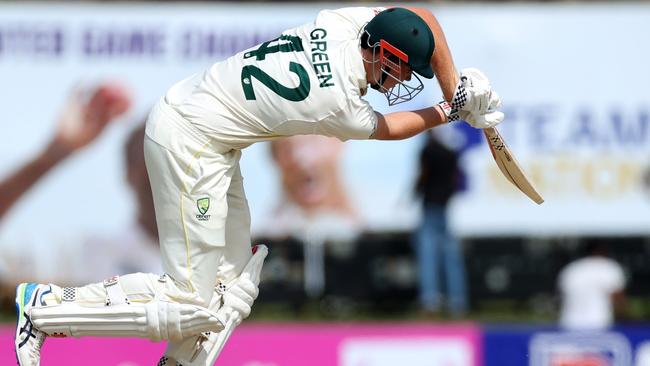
x=492 y=311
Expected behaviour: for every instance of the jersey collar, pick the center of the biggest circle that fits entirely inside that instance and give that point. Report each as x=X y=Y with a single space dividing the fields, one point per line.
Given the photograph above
x=357 y=71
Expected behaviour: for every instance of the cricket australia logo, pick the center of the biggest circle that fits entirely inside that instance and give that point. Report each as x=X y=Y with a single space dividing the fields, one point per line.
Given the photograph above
x=203 y=204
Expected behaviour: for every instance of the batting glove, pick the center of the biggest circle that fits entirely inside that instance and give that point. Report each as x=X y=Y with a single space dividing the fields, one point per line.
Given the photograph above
x=487 y=120
x=474 y=101
x=472 y=93
x=238 y=298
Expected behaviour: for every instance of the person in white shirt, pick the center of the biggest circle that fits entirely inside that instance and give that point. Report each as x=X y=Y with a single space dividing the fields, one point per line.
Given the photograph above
x=309 y=80
x=591 y=289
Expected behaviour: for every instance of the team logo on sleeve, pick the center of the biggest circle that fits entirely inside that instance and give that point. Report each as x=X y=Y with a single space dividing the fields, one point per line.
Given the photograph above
x=203 y=204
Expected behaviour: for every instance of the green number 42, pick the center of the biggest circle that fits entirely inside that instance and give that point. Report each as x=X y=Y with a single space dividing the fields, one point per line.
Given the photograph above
x=296 y=94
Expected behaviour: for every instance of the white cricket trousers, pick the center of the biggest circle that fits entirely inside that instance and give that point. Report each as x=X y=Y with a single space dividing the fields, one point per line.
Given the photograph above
x=201 y=209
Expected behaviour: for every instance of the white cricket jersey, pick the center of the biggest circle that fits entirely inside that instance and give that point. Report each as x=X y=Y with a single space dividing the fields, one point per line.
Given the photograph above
x=307 y=81
x=587 y=286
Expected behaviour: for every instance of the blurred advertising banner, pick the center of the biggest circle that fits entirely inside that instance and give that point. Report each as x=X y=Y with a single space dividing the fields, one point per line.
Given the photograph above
x=577 y=115
x=581 y=133
x=577 y=349
x=547 y=346
x=287 y=345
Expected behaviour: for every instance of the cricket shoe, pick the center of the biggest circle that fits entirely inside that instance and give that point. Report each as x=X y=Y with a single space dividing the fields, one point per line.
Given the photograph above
x=29 y=340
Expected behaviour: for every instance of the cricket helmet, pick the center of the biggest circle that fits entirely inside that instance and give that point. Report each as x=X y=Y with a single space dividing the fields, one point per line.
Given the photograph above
x=398 y=36
x=408 y=33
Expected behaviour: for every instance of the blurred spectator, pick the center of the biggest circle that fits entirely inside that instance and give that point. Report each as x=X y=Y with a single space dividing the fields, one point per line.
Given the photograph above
x=84 y=118
x=645 y=180
x=436 y=249
x=314 y=195
x=592 y=290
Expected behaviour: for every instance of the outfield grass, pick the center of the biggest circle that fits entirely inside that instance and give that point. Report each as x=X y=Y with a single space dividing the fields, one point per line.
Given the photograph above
x=493 y=311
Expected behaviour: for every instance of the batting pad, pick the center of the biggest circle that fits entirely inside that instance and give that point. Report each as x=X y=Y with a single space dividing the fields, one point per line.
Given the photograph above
x=156 y=320
x=204 y=349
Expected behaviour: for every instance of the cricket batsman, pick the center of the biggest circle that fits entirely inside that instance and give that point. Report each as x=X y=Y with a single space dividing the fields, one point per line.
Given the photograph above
x=308 y=80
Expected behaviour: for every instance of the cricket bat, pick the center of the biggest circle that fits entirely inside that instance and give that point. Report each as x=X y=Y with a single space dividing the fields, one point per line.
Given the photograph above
x=509 y=166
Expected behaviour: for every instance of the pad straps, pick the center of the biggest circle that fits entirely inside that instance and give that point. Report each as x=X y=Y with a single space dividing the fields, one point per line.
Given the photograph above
x=114 y=293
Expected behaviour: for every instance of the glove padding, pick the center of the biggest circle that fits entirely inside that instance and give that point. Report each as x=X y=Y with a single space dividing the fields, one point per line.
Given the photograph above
x=475 y=101
x=239 y=297
x=472 y=93
x=487 y=120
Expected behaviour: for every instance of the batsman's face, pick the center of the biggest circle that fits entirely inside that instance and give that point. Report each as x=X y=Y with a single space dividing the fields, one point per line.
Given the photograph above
x=397 y=75
x=391 y=75
x=392 y=72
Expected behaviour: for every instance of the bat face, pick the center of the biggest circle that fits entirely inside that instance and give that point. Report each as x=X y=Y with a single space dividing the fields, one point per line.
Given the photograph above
x=509 y=166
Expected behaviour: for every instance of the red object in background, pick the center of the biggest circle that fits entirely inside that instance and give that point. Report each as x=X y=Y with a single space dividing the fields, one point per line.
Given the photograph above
x=580 y=360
